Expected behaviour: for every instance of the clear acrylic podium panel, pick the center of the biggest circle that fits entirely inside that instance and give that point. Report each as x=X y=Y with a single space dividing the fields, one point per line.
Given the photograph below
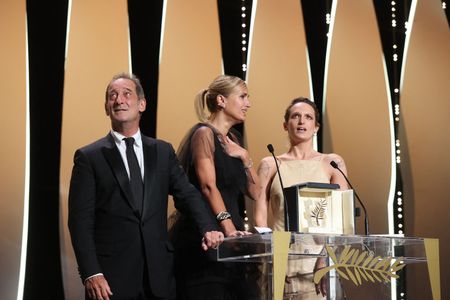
x=259 y=248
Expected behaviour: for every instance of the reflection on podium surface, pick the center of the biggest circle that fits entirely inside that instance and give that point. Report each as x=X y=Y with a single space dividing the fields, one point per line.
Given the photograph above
x=357 y=266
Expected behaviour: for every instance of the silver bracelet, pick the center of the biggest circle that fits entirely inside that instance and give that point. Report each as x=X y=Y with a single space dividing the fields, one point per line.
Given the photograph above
x=223 y=215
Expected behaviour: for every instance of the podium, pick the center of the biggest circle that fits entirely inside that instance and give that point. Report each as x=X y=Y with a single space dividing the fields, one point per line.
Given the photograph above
x=355 y=263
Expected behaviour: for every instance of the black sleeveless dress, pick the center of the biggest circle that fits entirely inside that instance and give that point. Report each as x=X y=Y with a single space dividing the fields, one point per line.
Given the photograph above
x=198 y=275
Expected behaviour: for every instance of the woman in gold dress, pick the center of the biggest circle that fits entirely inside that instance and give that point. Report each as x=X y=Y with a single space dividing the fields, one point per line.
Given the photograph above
x=301 y=163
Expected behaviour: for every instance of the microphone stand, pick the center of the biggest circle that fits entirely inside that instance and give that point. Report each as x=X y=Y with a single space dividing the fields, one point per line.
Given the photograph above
x=366 y=218
x=286 y=208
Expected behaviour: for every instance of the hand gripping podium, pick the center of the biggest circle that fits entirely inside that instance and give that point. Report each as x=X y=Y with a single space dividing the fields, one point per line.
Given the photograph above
x=359 y=267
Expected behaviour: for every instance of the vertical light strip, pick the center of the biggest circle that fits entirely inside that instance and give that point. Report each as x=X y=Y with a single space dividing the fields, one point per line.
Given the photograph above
x=399 y=204
x=395 y=208
x=308 y=68
x=163 y=26
x=412 y=12
x=222 y=66
x=26 y=198
x=327 y=55
x=250 y=37
x=396 y=116
x=311 y=90
x=69 y=13
x=244 y=38
x=390 y=202
x=130 y=65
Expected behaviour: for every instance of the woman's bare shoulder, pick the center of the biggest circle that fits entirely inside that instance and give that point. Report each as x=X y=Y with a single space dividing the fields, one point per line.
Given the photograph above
x=284 y=157
x=266 y=169
x=333 y=157
x=268 y=161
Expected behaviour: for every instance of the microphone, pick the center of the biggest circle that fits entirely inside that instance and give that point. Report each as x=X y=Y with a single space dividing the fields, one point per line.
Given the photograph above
x=286 y=208
x=366 y=218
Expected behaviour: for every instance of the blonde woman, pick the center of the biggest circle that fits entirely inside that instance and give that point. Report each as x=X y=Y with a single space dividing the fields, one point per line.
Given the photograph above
x=221 y=168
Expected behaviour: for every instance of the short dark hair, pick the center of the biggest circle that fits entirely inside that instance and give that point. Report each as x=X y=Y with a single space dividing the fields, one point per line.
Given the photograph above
x=302 y=100
x=132 y=77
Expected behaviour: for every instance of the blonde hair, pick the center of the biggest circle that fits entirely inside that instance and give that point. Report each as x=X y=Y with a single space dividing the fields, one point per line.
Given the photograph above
x=221 y=85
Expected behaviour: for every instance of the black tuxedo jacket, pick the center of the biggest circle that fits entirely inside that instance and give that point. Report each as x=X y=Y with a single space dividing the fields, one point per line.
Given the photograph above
x=108 y=234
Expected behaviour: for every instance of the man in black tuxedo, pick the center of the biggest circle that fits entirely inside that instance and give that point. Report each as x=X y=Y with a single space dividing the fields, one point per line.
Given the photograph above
x=118 y=205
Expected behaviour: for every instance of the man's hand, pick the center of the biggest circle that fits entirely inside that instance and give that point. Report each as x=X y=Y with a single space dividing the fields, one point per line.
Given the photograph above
x=212 y=239
x=97 y=288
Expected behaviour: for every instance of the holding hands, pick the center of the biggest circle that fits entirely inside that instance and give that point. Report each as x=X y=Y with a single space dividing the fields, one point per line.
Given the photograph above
x=212 y=239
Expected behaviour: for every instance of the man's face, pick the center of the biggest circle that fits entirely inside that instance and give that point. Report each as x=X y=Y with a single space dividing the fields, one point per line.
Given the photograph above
x=122 y=104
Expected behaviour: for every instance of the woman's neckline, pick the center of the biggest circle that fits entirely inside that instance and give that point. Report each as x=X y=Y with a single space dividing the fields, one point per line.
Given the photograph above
x=215 y=129
x=314 y=157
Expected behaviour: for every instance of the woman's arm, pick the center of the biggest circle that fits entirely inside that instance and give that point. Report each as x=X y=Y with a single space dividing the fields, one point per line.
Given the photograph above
x=266 y=172
x=203 y=159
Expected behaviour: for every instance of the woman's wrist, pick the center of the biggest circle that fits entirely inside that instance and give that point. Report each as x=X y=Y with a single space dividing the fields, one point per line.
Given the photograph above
x=228 y=227
x=248 y=163
x=222 y=216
